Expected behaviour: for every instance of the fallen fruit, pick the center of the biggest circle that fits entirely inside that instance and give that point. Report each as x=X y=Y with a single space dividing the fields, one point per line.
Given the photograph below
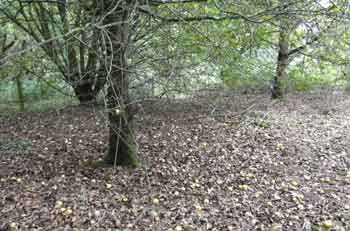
x=294 y=183
x=59 y=204
x=299 y=197
x=198 y=208
x=68 y=212
x=327 y=224
x=156 y=201
x=280 y=147
x=243 y=187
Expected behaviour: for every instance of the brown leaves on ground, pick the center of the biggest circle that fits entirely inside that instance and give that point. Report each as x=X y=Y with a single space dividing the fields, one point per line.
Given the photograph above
x=283 y=167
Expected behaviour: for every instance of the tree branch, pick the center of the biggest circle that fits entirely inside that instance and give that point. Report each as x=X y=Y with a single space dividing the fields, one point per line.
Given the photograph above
x=315 y=38
x=63 y=2
x=175 y=2
x=232 y=16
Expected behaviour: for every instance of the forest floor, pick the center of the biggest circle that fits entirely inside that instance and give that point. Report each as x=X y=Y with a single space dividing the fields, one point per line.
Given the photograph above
x=232 y=163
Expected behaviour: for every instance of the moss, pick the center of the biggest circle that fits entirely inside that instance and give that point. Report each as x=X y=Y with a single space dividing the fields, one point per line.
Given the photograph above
x=15 y=145
x=125 y=155
x=262 y=124
x=277 y=91
x=94 y=164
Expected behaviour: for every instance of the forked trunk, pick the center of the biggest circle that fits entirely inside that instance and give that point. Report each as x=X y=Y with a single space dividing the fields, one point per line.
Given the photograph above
x=86 y=93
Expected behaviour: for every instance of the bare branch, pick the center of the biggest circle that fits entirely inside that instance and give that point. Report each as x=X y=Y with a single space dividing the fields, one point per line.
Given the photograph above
x=175 y=2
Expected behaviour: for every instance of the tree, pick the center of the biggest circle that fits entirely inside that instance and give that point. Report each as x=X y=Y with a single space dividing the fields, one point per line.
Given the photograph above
x=5 y=45
x=282 y=60
x=301 y=31
x=121 y=146
x=61 y=30
x=94 y=42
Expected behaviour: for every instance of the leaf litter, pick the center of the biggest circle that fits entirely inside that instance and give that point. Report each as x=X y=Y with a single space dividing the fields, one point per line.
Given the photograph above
x=282 y=166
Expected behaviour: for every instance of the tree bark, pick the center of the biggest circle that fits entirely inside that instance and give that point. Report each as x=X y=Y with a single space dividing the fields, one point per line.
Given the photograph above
x=122 y=145
x=20 y=94
x=64 y=42
x=282 y=63
x=86 y=93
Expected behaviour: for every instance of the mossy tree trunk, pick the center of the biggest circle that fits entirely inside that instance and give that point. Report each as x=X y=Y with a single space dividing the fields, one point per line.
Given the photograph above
x=121 y=147
x=20 y=95
x=19 y=84
x=282 y=62
x=86 y=92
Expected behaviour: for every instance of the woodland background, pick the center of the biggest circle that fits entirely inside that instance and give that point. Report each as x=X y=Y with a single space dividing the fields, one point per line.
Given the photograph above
x=174 y=115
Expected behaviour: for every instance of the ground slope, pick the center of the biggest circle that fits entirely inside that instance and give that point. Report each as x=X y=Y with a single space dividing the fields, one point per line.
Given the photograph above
x=206 y=166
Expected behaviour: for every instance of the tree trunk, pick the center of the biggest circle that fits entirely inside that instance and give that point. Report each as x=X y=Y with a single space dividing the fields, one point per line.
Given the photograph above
x=282 y=63
x=20 y=95
x=86 y=93
x=121 y=147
